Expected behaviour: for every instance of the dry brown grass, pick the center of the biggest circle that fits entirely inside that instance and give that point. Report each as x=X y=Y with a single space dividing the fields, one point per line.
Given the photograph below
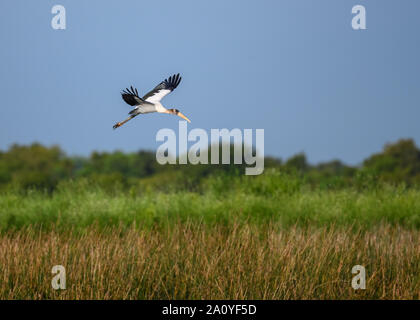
x=189 y=261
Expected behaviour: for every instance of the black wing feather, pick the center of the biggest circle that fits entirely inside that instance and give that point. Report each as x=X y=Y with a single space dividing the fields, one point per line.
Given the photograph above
x=168 y=84
x=132 y=96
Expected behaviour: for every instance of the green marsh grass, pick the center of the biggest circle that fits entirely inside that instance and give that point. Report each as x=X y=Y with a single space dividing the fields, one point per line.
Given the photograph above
x=267 y=237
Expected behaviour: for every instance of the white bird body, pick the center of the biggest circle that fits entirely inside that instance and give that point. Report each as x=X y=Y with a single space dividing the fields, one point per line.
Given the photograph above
x=149 y=108
x=151 y=101
x=160 y=108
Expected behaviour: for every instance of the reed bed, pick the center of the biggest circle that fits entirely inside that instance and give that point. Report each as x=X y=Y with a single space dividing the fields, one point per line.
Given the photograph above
x=193 y=260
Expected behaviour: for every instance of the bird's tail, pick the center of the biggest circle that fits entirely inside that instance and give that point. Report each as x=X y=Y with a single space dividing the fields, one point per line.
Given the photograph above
x=119 y=124
x=133 y=111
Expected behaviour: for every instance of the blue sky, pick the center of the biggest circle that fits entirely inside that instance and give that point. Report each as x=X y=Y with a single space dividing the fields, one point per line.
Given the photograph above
x=293 y=68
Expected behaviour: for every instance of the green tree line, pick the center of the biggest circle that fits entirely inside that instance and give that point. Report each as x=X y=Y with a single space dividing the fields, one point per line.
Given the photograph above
x=40 y=167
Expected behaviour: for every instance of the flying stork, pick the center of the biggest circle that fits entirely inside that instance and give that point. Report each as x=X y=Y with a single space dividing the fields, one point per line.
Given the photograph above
x=151 y=101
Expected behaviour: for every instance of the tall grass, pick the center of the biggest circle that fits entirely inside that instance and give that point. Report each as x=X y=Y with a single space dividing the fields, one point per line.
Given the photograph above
x=266 y=237
x=195 y=261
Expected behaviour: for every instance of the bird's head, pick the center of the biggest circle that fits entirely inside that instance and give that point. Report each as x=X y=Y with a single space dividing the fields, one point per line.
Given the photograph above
x=176 y=112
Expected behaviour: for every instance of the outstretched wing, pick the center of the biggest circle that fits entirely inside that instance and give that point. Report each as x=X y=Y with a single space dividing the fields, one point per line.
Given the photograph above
x=132 y=97
x=163 y=88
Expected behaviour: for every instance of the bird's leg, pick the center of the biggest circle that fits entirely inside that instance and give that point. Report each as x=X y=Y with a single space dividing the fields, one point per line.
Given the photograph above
x=119 y=124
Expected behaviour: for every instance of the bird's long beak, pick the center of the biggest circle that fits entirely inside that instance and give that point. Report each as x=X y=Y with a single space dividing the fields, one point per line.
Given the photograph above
x=183 y=117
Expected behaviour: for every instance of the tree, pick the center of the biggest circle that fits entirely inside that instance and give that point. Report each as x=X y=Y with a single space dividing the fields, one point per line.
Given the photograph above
x=397 y=162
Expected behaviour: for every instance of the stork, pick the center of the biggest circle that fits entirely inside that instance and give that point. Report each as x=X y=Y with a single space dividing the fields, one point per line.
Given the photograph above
x=151 y=101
